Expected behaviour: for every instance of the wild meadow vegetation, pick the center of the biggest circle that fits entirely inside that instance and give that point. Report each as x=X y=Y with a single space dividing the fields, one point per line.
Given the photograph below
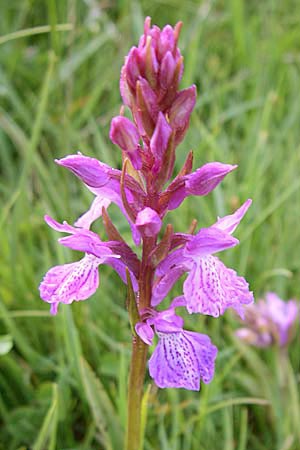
x=63 y=379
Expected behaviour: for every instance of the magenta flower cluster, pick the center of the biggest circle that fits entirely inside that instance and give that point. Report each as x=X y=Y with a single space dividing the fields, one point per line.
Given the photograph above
x=145 y=190
x=271 y=321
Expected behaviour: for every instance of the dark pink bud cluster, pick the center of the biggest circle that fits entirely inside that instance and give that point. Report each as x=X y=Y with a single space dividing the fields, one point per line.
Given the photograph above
x=161 y=112
x=156 y=66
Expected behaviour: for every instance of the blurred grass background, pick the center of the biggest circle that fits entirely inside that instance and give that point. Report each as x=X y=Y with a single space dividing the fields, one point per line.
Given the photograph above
x=63 y=379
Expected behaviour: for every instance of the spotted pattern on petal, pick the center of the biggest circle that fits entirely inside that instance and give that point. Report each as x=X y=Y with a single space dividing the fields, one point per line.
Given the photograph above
x=211 y=288
x=69 y=282
x=182 y=359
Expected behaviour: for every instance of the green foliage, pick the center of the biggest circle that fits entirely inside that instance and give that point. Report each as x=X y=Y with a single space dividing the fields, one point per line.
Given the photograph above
x=63 y=379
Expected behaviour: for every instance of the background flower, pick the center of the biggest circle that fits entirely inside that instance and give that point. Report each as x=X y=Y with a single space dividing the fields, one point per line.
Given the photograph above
x=270 y=321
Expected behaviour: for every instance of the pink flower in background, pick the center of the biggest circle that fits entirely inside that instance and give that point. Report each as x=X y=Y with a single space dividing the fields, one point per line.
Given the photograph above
x=270 y=321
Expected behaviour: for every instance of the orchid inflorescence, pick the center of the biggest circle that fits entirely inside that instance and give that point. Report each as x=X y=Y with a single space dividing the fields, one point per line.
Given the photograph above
x=144 y=191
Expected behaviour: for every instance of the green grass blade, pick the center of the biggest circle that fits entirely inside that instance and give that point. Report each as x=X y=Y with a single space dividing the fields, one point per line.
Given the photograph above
x=103 y=411
x=47 y=435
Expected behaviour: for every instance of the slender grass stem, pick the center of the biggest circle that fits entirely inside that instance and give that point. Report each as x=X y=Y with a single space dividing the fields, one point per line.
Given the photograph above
x=33 y=31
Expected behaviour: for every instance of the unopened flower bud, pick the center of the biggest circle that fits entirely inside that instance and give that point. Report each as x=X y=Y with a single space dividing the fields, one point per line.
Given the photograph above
x=124 y=133
x=167 y=70
x=166 y=42
x=148 y=222
x=160 y=139
x=133 y=67
x=151 y=64
x=147 y=106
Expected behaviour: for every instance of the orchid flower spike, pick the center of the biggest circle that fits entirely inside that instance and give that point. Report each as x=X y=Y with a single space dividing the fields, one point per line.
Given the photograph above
x=144 y=190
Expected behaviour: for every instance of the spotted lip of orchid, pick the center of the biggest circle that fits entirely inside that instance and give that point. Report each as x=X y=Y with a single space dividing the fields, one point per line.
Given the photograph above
x=210 y=287
x=79 y=280
x=270 y=321
x=70 y=282
x=181 y=358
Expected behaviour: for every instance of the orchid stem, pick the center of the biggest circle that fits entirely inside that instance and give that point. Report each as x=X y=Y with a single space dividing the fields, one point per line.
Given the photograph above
x=139 y=356
x=135 y=393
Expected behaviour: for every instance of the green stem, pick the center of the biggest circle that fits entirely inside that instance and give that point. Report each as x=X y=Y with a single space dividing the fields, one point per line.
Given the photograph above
x=139 y=355
x=135 y=393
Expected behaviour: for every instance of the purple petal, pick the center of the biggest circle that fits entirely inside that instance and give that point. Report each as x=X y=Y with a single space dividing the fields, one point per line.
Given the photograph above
x=176 y=258
x=54 y=308
x=176 y=197
x=119 y=266
x=148 y=222
x=178 y=301
x=211 y=288
x=208 y=241
x=93 y=213
x=167 y=321
x=102 y=179
x=145 y=332
x=105 y=184
x=82 y=240
x=165 y=284
x=207 y=177
x=70 y=282
x=91 y=244
x=91 y=171
x=230 y=223
x=61 y=227
x=181 y=359
x=136 y=235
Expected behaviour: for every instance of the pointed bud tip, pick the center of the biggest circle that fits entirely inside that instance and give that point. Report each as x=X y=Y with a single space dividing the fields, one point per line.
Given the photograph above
x=207 y=177
x=66 y=161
